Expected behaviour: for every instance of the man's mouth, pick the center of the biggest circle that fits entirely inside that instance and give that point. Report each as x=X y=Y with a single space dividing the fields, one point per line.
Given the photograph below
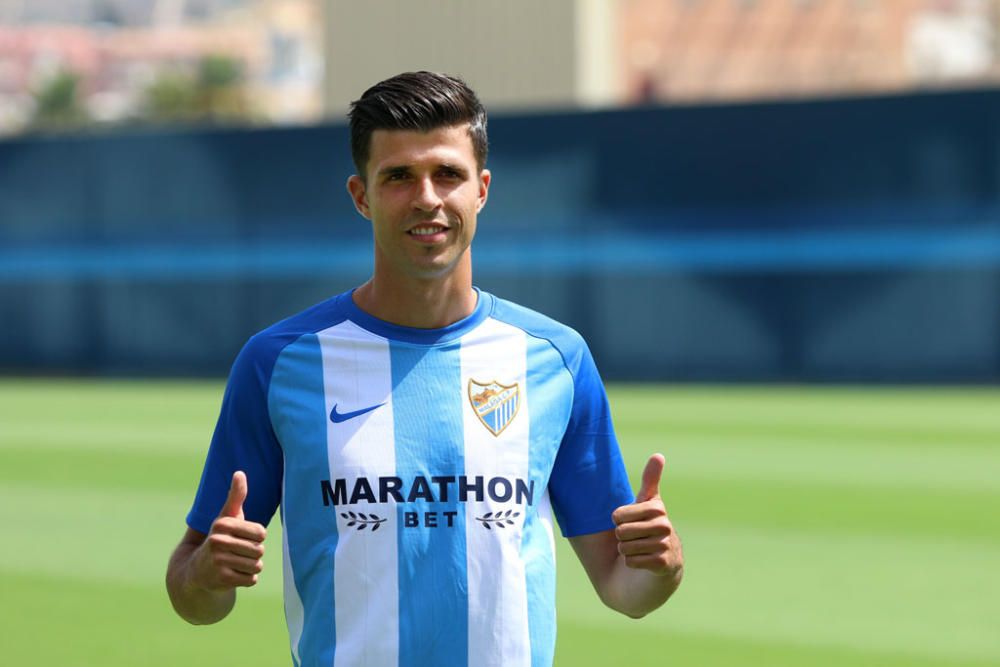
x=427 y=230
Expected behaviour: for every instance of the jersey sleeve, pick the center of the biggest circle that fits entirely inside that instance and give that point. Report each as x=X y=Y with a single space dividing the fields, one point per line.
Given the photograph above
x=243 y=440
x=588 y=480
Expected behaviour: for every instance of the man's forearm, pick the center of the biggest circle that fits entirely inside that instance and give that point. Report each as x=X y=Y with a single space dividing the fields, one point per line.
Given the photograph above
x=636 y=592
x=194 y=604
x=633 y=585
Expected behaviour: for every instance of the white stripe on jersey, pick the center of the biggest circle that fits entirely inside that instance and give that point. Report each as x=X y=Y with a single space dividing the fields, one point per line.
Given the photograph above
x=545 y=518
x=365 y=564
x=498 y=607
x=294 y=613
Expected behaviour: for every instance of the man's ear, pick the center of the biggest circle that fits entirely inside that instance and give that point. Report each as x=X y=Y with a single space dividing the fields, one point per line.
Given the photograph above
x=359 y=195
x=484 y=187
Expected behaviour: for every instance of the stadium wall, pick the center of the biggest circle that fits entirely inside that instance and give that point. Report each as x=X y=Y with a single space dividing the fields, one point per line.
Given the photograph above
x=850 y=240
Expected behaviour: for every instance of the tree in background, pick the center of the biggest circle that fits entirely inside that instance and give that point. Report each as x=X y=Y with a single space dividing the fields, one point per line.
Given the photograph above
x=171 y=97
x=57 y=103
x=214 y=92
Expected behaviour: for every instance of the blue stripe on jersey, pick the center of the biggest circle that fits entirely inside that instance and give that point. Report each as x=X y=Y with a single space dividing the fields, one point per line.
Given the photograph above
x=588 y=480
x=299 y=410
x=548 y=380
x=433 y=588
x=298 y=587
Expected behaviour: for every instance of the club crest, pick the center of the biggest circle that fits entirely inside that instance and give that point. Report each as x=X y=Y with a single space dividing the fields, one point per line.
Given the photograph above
x=495 y=404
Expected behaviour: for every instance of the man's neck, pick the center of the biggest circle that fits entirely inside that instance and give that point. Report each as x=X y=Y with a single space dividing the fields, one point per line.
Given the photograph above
x=428 y=304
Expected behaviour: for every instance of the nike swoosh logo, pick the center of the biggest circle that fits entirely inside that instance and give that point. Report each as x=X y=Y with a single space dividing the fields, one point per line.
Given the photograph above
x=337 y=417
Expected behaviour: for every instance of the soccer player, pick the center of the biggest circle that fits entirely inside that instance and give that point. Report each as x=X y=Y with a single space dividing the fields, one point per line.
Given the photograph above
x=419 y=435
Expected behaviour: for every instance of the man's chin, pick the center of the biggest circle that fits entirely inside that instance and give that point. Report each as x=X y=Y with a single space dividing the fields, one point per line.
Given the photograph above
x=434 y=269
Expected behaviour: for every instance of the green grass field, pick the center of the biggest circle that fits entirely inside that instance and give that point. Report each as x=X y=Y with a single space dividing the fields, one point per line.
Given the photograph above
x=821 y=527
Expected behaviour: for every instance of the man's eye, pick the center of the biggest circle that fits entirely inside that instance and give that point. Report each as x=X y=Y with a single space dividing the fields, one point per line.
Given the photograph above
x=449 y=173
x=397 y=176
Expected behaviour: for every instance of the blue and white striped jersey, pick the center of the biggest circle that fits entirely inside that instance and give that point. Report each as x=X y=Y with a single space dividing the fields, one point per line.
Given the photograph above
x=417 y=472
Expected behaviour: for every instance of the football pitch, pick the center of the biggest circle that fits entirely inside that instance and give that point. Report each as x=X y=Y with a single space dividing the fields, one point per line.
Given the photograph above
x=822 y=526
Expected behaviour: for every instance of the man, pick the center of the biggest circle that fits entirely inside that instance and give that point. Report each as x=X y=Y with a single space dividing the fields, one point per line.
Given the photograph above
x=418 y=435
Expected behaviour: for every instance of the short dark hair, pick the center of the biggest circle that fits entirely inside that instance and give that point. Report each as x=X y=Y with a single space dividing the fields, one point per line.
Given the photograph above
x=421 y=101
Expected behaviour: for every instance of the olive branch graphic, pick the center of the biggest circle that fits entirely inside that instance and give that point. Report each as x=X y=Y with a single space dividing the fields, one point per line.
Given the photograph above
x=500 y=519
x=362 y=521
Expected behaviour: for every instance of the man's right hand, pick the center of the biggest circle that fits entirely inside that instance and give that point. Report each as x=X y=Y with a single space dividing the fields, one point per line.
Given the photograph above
x=232 y=551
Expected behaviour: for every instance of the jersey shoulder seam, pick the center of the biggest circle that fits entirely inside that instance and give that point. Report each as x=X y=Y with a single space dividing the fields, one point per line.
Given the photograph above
x=265 y=336
x=533 y=334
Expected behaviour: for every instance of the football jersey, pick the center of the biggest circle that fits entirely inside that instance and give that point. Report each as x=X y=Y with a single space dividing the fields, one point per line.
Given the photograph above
x=417 y=473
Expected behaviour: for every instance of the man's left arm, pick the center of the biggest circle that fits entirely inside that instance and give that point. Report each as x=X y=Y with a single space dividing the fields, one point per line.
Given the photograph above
x=639 y=564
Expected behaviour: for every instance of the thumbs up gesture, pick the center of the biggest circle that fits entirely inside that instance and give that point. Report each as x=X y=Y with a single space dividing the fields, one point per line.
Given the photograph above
x=646 y=538
x=231 y=554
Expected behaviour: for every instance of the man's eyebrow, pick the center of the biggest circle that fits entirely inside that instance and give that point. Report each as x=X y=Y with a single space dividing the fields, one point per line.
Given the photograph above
x=396 y=169
x=403 y=169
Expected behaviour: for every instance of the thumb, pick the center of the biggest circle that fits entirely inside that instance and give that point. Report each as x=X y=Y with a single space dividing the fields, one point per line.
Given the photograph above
x=237 y=494
x=651 y=479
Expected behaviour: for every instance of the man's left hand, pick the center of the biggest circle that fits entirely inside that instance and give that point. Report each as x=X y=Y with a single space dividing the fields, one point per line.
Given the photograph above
x=646 y=538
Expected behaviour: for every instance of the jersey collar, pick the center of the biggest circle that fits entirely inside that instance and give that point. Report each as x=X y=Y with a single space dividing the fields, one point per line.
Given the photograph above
x=397 y=332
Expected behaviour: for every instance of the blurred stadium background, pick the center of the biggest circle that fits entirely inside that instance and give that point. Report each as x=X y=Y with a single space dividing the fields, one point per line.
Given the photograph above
x=782 y=217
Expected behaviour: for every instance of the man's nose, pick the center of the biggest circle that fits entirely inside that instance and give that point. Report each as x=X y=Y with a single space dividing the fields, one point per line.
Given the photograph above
x=426 y=197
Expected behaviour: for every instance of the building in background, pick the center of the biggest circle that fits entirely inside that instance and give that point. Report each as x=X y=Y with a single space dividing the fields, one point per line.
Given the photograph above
x=516 y=54
x=298 y=61
x=580 y=53
x=121 y=52
x=695 y=50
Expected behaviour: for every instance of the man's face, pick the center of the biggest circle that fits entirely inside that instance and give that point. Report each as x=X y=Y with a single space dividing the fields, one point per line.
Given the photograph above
x=422 y=193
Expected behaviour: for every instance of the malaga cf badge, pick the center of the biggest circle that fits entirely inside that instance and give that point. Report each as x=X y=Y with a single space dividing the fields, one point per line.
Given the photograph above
x=495 y=404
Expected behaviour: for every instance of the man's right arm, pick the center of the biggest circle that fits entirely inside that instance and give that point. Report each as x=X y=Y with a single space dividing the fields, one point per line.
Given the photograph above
x=205 y=570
